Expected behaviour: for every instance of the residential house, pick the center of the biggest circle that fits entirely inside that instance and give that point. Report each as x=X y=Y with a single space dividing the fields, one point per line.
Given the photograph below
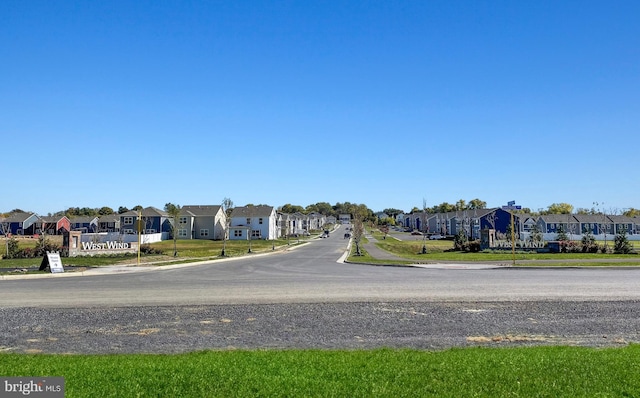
x=316 y=221
x=201 y=222
x=344 y=218
x=109 y=223
x=253 y=222
x=528 y=223
x=19 y=223
x=331 y=220
x=298 y=223
x=555 y=223
x=595 y=224
x=284 y=224
x=152 y=220
x=86 y=224
x=623 y=224
x=55 y=225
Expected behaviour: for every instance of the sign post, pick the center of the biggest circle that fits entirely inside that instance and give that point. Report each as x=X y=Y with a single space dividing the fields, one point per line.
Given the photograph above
x=53 y=262
x=511 y=205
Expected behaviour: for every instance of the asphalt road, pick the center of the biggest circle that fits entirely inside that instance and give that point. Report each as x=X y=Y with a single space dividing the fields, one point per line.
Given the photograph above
x=304 y=298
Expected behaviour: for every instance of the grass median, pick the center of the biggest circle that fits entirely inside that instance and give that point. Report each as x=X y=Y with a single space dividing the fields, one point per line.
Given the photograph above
x=410 y=249
x=478 y=372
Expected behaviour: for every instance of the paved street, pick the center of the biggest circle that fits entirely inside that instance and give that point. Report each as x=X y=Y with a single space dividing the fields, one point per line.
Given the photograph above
x=306 y=298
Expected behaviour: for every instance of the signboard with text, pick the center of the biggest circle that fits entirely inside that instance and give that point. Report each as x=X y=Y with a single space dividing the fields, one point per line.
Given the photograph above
x=53 y=262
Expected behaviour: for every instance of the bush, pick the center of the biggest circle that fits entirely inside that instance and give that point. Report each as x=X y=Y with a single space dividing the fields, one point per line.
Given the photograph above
x=45 y=245
x=474 y=246
x=12 y=248
x=148 y=249
x=622 y=244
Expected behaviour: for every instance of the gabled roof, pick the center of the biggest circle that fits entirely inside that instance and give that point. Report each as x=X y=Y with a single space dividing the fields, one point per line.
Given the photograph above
x=252 y=211
x=83 y=219
x=147 y=212
x=558 y=218
x=109 y=218
x=53 y=219
x=18 y=217
x=622 y=219
x=200 y=210
x=592 y=218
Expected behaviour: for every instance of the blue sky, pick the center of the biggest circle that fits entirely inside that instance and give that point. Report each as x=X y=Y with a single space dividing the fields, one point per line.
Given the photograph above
x=384 y=103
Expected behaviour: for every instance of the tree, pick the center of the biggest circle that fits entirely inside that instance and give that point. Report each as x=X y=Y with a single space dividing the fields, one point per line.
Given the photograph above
x=320 y=207
x=424 y=222
x=589 y=243
x=460 y=241
x=12 y=248
x=631 y=212
x=290 y=209
x=461 y=204
x=536 y=235
x=477 y=204
x=621 y=243
x=443 y=207
x=559 y=208
x=357 y=232
x=392 y=212
x=122 y=209
x=174 y=213
x=227 y=207
x=562 y=234
x=104 y=211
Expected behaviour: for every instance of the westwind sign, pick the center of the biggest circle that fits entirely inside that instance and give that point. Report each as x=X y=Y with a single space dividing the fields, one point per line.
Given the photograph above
x=109 y=245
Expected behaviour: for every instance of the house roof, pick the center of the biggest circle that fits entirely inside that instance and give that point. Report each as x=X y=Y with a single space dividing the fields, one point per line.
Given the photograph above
x=252 y=211
x=147 y=212
x=201 y=210
x=18 y=217
x=591 y=218
x=558 y=218
x=83 y=219
x=53 y=219
x=109 y=218
x=622 y=219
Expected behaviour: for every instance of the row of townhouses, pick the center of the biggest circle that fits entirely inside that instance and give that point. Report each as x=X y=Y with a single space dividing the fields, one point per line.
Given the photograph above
x=194 y=222
x=473 y=221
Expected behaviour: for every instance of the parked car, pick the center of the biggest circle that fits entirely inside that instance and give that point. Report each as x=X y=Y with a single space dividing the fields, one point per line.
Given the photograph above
x=436 y=237
x=416 y=233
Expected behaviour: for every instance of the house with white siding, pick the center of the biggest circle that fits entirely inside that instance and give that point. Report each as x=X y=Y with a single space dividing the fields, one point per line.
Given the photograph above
x=253 y=222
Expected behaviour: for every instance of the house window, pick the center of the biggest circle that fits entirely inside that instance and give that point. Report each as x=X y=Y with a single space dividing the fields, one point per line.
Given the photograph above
x=237 y=232
x=128 y=231
x=128 y=220
x=260 y=221
x=256 y=233
x=182 y=220
x=248 y=221
x=149 y=231
x=204 y=232
x=182 y=233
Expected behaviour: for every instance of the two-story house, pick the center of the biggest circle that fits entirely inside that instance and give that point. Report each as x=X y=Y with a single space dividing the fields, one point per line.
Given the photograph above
x=253 y=222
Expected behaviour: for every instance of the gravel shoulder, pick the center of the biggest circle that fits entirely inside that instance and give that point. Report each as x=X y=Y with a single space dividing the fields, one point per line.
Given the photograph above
x=363 y=325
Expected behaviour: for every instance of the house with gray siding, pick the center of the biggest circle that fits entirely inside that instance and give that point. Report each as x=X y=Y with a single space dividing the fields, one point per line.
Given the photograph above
x=201 y=222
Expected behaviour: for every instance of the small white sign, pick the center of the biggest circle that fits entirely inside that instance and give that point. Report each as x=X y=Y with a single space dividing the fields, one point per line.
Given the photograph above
x=54 y=262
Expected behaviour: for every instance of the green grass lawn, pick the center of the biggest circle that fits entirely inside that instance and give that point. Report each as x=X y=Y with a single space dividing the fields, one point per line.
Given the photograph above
x=438 y=251
x=469 y=372
x=188 y=250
